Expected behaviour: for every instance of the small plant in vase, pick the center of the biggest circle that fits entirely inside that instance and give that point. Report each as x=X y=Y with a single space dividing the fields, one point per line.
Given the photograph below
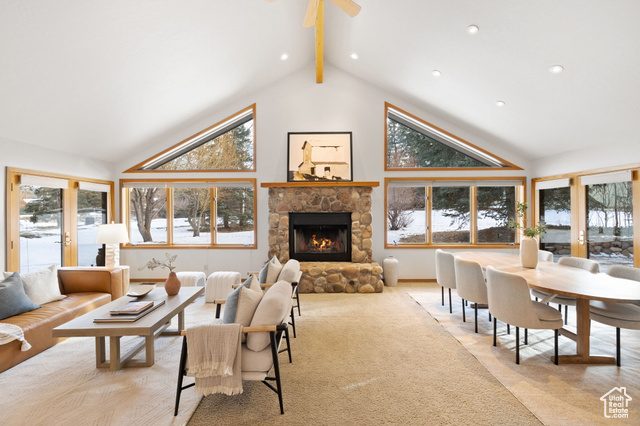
x=529 y=242
x=172 y=284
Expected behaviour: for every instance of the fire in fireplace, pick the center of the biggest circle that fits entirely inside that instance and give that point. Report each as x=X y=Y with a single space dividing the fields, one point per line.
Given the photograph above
x=320 y=236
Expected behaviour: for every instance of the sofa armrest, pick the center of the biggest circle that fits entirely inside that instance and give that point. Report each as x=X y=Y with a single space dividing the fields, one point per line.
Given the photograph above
x=93 y=279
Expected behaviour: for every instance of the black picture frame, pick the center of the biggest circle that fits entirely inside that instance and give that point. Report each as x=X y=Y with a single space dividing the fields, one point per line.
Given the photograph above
x=319 y=157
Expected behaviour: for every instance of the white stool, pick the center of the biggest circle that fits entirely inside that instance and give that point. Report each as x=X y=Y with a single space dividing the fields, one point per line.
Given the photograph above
x=220 y=284
x=191 y=279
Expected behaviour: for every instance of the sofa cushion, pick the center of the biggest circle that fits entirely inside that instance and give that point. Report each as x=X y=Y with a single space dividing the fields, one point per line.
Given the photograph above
x=247 y=304
x=273 y=270
x=41 y=286
x=13 y=299
x=231 y=303
x=272 y=310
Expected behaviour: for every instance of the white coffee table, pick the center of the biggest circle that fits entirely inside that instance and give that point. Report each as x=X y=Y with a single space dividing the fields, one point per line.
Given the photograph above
x=149 y=327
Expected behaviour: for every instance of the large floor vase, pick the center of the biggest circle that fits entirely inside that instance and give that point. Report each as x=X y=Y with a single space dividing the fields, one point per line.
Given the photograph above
x=529 y=252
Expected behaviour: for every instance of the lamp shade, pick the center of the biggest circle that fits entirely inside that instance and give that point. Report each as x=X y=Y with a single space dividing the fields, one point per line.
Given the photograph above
x=112 y=233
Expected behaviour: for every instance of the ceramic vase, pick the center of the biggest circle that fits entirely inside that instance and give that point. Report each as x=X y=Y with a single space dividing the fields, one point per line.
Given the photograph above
x=529 y=252
x=390 y=266
x=172 y=284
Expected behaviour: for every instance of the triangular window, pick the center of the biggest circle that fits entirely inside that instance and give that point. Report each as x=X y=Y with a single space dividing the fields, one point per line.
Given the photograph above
x=414 y=144
x=226 y=146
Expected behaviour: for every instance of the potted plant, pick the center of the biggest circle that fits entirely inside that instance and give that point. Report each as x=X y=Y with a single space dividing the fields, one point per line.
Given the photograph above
x=172 y=284
x=529 y=241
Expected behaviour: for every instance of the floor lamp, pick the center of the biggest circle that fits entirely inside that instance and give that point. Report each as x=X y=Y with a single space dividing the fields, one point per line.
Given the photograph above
x=112 y=235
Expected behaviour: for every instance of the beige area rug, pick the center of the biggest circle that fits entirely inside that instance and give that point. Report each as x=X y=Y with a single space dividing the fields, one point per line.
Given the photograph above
x=62 y=385
x=557 y=395
x=371 y=359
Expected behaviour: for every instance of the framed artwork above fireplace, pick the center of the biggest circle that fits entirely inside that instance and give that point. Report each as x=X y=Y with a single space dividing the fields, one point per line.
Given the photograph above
x=319 y=157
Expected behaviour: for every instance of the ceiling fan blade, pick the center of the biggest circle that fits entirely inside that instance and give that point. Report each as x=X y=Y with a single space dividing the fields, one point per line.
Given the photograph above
x=312 y=13
x=348 y=6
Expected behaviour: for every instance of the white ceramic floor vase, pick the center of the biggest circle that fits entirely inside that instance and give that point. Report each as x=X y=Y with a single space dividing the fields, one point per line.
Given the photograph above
x=529 y=252
x=390 y=267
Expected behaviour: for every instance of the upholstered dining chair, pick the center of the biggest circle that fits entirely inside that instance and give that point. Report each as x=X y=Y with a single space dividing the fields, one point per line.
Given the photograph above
x=510 y=302
x=445 y=273
x=470 y=285
x=574 y=262
x=545 y=255
x=618 y=315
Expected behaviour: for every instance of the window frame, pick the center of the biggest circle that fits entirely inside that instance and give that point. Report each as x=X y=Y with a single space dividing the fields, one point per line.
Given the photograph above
x=126 y=213
x=192 y=140
x=69 y=216
x=450 y=136
x=520 y=192
x=578 y=192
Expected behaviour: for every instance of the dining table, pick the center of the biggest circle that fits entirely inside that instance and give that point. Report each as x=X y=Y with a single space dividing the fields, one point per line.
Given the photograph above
x=564 y=280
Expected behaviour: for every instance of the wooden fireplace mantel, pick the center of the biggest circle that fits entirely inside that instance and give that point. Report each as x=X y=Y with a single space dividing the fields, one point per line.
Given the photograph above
x=372 y=184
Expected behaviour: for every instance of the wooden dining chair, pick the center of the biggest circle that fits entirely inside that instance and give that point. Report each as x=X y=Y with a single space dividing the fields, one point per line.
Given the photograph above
x=470 y=285
x=510 y=302
x=445 y=273
x=618 y=315
x=574 y=262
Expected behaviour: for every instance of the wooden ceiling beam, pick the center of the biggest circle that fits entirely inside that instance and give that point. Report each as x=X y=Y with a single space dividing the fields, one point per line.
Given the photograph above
x=320 y=42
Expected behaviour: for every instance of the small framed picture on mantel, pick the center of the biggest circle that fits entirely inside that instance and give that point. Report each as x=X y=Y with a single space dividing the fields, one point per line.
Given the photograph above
x=319 y=157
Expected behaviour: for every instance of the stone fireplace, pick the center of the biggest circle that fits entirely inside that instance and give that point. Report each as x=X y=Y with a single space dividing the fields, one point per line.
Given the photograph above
x=346 y=269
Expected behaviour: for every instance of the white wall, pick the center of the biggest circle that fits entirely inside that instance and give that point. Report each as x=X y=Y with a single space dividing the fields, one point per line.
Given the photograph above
x=607 y=154
x=297 y=104
x=26 y=156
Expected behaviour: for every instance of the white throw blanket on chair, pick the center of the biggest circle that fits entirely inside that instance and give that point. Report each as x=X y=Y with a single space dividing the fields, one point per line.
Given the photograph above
x=11 y=332
x=214 y=358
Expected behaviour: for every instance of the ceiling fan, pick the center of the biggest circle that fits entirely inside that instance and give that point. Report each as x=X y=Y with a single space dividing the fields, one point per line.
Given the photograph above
x=350 y=7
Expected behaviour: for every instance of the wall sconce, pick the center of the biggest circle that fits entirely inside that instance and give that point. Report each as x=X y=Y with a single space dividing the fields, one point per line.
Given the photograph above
x=112 y=235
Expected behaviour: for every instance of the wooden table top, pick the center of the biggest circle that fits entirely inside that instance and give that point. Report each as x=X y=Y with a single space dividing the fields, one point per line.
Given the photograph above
x=561 y=279
x=145 y=326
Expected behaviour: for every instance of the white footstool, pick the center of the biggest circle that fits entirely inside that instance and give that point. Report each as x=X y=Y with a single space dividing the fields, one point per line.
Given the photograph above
x=220 y=284
x=191 y=279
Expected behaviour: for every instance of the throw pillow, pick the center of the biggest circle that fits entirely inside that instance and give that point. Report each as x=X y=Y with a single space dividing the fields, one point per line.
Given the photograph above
x=272 y=310
x=13 y=299
x=41 y=286
x=231 y=303
x=273 y=270
x=247 y=304
x=262 y=276
x=290 y=271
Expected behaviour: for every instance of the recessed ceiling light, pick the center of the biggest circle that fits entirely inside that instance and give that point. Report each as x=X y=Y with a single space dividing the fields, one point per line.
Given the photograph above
x=500 y=103
x=556 y=69
x=284 y=56
x=354 y=56
x=436 y=73
x=472 y=29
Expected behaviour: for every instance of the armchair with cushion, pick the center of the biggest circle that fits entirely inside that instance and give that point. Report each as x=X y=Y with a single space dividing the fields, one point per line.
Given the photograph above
x=263 y=318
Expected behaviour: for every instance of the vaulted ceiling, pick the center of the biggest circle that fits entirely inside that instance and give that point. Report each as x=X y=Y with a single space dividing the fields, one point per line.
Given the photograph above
x=102 y=77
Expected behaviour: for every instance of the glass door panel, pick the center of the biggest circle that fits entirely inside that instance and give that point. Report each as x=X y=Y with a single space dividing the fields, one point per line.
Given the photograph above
x=92 y=212
x=555 y=211
x=41 y=227
x=610 y=224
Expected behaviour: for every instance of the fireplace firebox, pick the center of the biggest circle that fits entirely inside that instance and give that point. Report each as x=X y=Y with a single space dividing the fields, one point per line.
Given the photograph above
x=320 y=237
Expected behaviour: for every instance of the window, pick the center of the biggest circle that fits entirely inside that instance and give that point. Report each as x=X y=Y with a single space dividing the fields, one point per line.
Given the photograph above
x=590 y=215
x=555 y=210
x=184 y=213
x=425 y=212
x=226 y=146
x=53 y=219
x=414 y=144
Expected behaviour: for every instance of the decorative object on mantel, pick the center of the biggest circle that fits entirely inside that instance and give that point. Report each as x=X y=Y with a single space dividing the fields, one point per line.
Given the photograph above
x=172 y=284
x=391 y=270
x=529 y=242
x=319 y=157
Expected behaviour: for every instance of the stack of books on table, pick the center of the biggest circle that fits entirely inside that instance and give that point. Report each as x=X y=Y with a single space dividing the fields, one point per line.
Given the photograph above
x=131 y=311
